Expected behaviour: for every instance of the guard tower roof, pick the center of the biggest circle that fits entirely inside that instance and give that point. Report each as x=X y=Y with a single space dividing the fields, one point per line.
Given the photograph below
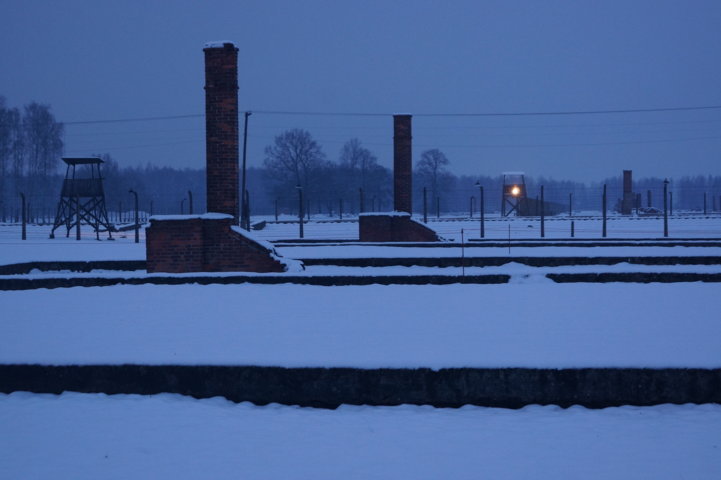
x=82 y=160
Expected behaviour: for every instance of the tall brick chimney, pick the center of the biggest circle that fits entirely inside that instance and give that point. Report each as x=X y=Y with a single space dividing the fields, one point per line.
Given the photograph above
x=629 y=198
x=221 y=128
x=402 y=164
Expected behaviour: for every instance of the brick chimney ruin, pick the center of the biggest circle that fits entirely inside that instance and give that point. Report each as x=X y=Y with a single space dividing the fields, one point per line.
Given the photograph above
x=397 y=226
x=213 y=242
x=629 y=198
x=221 y=128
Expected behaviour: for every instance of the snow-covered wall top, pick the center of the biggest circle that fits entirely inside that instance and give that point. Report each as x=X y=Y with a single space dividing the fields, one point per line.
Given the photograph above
x=385 y=214
x=202 y=216
x=291 y=265
x=218 y=44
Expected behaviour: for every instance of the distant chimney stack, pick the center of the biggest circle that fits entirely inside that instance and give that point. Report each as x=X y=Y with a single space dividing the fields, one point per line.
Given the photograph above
x=402 y=164
x=629 y=199
x=221 y=127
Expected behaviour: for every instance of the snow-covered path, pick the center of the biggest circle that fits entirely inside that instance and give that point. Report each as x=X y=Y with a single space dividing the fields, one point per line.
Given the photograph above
x=81 y=436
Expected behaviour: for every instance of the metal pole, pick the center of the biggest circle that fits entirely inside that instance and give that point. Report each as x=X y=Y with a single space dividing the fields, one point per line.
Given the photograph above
x=24 y=218
x=603 y=207
x=483 y=213
x=670 y=202
x=137 y=224
x=473 y=199
x=572 y=229
x=665 y=208
x=704 y=203
x=77 y=217
x=463 y=255
x=300 y=209
x=438 y=207
x=190 y=202
x=243 y=206
x=543 y=216
x=276 y=209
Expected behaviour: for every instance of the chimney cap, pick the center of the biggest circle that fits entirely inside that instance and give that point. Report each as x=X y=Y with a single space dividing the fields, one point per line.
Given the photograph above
x=219 y=44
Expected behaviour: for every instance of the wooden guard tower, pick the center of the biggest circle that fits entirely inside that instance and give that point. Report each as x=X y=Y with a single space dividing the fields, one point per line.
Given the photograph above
x=514 y=194
x=82 y=198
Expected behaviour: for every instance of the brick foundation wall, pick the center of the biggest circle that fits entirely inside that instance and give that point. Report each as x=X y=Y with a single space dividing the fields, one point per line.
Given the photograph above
x=393 y=228
x=197 y=244
x=402 y=164
x=221 y=128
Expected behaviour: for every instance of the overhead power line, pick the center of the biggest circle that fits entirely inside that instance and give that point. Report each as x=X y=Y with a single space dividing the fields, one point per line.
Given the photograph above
x=493 y=114
x=137 y=119
x=447 y=114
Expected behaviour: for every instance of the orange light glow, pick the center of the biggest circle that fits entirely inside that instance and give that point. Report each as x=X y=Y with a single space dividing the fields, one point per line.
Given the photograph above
x=515 y=191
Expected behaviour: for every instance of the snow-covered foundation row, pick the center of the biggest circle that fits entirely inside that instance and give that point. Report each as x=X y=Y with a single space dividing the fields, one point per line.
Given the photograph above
x=532 y=324
x=83 y=436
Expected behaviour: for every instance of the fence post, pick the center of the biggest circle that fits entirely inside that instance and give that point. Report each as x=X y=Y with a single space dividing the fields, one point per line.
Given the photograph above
x=483 y=220
x=425 y=206
x=543 y=215
x=665 y=208
x=24 y=218
x=603 y=207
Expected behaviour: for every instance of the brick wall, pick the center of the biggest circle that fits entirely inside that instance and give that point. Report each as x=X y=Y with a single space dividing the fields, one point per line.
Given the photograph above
x=393 y=228
x=198 y=244
x=221 y=129
x=402 y=164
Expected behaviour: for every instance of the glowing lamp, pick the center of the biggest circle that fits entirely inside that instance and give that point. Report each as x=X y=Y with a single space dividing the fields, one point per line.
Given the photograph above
x=515 y=191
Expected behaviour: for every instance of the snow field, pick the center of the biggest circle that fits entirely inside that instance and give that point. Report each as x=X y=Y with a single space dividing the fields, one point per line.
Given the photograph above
x=84 y=436
x=531 y=323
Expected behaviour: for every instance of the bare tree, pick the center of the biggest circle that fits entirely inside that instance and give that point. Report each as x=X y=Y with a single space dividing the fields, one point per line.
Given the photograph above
x=11 y=154
x=294 y=156
x=431 y=167
x=358 y=160
x=43 y=139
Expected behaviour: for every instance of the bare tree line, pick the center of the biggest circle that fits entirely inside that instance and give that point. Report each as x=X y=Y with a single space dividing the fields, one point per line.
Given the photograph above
x=31 y=144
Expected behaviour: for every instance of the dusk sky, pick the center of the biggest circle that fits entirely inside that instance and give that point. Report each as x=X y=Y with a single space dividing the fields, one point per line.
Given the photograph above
x=102 y=60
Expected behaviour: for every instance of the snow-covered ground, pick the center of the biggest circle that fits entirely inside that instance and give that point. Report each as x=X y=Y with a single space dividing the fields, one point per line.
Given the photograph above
x=82 y=436
x=531 y=322
x=559 y=227
x=38 y=247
